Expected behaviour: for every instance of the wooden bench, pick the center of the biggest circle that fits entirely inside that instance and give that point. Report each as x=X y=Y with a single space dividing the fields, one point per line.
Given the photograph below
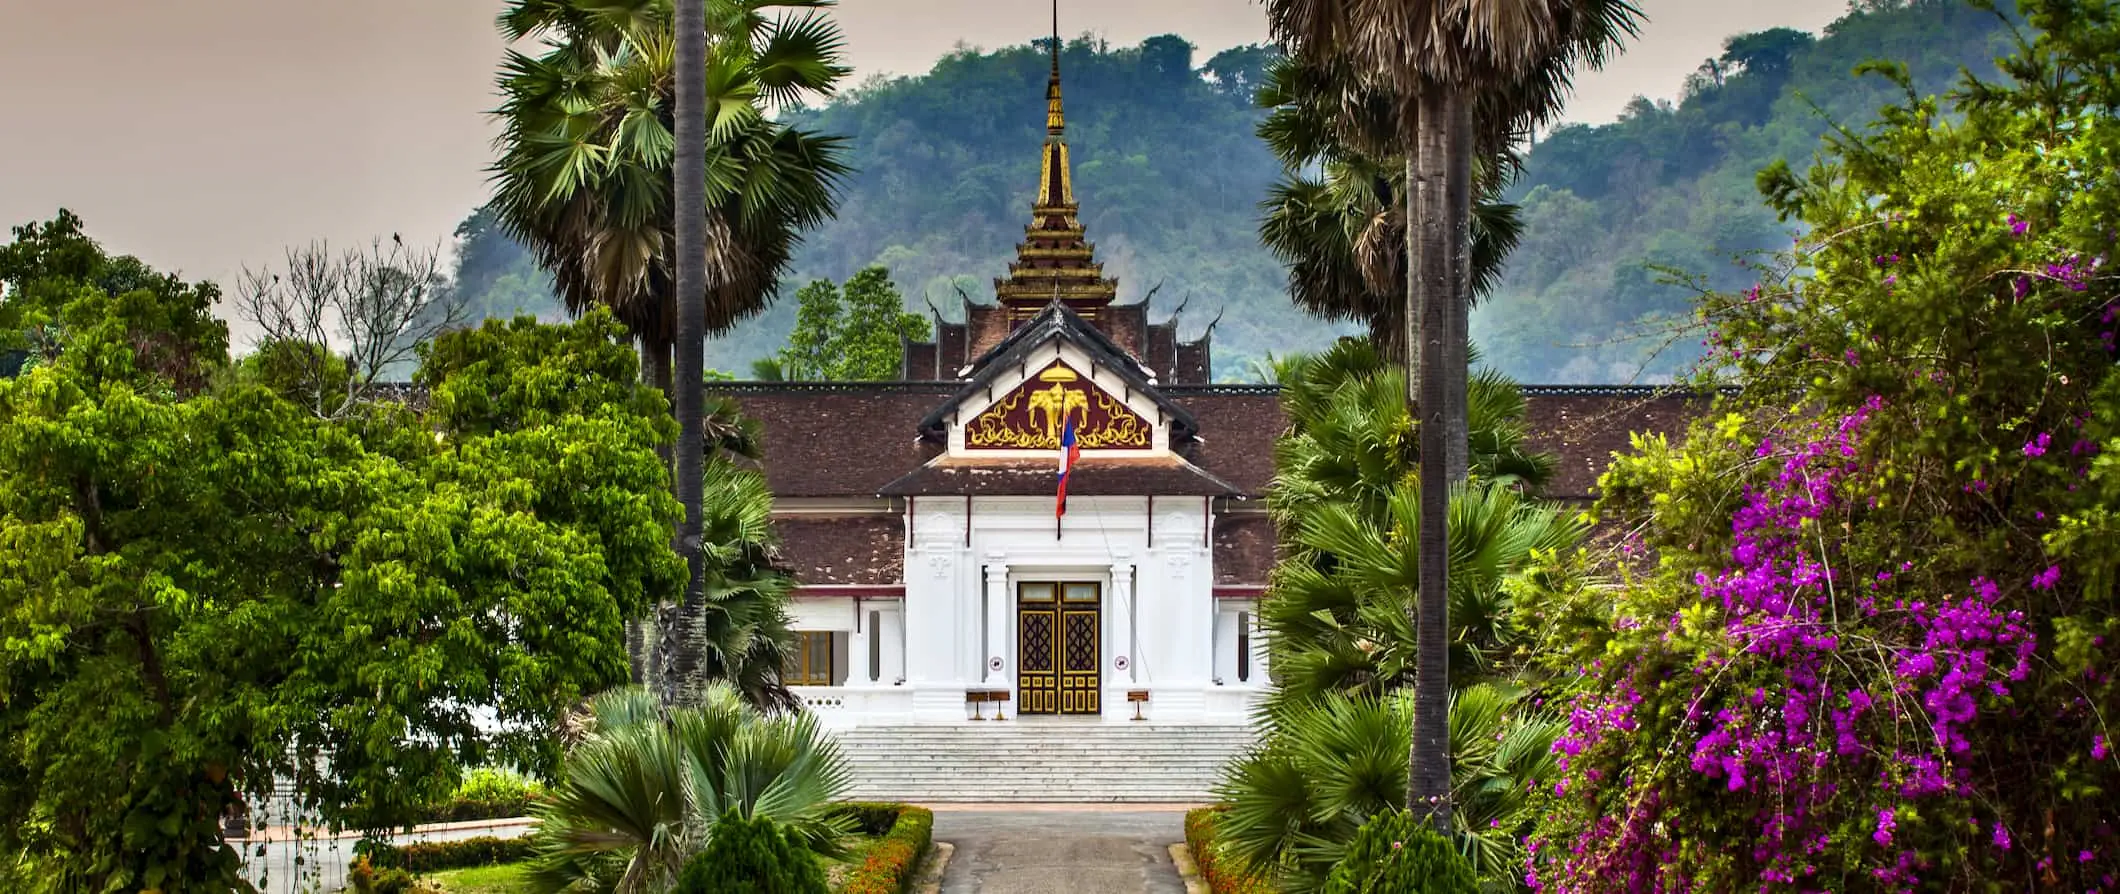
x=1138 y=697
x=980 y=698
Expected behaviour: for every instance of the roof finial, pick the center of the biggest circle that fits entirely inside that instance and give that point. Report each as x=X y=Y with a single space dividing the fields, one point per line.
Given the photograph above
x=1055 y=121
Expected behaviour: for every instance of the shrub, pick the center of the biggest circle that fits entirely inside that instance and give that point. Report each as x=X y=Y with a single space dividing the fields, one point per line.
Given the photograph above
x=364 y=879
x=429 y=856
x=891 y=863
x=871 y=818
x=1224 y=874
x=1397 y=854
x=486 y=793
x=751 y=856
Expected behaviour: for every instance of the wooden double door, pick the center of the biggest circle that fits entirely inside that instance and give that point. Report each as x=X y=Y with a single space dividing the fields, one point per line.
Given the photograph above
x=1058 y=649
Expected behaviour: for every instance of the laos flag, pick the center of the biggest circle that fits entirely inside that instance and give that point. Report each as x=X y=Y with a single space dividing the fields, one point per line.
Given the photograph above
x=1069 y=452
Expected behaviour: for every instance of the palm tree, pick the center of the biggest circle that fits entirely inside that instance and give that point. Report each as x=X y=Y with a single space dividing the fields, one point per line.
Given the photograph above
x=641 y=793
x=586 y=180
x=1295 y=803
x=738 y=632
x=1449 y=65
x=690 y=176
x=1341 y=230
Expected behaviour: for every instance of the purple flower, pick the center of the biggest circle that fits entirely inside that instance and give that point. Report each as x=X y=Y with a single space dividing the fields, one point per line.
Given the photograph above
x=2001 y=837
x=2098 y=747
x=2045 y=580
x=1885 y=824
x=2018 y=225
x=2037 y=446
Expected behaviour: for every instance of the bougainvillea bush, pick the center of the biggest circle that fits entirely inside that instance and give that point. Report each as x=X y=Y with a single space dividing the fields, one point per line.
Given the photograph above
x=1874 y=650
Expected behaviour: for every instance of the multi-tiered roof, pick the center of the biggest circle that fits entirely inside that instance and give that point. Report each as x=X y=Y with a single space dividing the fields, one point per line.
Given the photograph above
x=1054 y=262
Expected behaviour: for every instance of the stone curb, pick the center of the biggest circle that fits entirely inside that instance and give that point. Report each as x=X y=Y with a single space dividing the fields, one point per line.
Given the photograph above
x=1182 y=857
x=929 y=879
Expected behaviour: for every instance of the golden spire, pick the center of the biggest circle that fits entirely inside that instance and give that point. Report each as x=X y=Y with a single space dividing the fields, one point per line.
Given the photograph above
x=1055 y=121
x=1054 y=262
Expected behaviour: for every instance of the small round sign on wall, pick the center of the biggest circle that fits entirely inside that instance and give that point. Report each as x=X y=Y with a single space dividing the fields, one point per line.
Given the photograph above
x=994 y=663
x=1119 y=662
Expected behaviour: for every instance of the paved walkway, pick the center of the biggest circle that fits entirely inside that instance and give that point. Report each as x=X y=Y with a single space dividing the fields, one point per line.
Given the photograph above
x=1072 y=849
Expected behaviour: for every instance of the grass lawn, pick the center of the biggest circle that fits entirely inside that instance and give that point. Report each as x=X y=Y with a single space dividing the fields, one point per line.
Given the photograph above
x=507 y=878
x=514 y=878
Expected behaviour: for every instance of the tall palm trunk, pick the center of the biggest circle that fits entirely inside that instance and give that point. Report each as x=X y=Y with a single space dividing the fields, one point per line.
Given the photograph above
x=1458 y=456
x=689 y=394
x=1428 y=290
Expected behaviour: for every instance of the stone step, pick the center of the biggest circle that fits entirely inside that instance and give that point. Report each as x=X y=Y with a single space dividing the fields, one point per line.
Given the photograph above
x=1041 y=762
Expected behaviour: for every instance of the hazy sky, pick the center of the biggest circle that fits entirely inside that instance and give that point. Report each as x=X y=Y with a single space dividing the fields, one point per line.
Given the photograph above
x=203 y=135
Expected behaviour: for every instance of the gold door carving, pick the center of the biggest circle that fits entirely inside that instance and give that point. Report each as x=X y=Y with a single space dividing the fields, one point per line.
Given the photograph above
x=1058 y=665
x=1033 y=416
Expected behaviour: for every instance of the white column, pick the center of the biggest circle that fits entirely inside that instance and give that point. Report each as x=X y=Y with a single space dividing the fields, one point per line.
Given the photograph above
x=996 y=659
x=1259 y=675
x=1123 y=614
x=858 y=648
x=1225 y=646
x=892 y=623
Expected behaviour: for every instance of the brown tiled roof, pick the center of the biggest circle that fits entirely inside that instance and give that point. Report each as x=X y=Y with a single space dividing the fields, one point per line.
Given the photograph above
x=919 y=361
x=1092 y=476
x=1194 y=366
x=988 y=325
x=1237 y=430
x=840 y=440
x=1584 y=427
x=1127 y=324
x=853 y=439
x=952 y=347
x=843 y=549
x=1244 y=549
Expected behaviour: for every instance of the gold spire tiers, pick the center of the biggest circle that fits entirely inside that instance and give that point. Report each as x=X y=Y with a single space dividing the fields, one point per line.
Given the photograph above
x=1054 y=262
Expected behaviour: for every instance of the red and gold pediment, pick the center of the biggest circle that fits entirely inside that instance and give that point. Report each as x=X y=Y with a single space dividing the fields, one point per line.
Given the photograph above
x=1032 y=416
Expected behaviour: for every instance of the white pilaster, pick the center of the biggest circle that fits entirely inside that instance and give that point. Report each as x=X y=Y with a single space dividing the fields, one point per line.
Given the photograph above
x=1122 y=614
x=997 y=658
x=858 y=647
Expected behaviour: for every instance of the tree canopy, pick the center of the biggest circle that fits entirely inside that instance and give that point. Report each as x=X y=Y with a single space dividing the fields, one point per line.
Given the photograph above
x=1875 y=651
x=205 y=587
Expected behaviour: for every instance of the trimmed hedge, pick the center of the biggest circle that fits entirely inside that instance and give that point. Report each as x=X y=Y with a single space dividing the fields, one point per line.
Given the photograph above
x=891 y=864
x=431 y=856
x=458 y=810
x=1223 y=874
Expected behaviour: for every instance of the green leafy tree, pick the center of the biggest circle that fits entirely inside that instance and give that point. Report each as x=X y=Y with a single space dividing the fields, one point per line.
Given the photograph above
x=853 y=334
x=208 y=590
x=819 y=314
x=1874 y=651
x=641 y=796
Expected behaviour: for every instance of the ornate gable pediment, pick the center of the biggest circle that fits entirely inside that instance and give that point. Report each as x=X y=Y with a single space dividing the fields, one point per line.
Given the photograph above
x=1033 y=414
x=1022 y=392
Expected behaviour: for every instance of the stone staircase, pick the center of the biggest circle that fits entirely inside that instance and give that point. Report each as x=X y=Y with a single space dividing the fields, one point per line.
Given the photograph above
x=1040 y=761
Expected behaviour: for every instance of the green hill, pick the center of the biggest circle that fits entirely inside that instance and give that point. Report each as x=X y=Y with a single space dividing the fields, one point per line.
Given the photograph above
x=1170 y=173
x=1671 y=185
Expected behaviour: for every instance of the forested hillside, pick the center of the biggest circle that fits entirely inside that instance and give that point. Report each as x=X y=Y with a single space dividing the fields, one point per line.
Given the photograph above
x=1672 y=186
x=1170 y=173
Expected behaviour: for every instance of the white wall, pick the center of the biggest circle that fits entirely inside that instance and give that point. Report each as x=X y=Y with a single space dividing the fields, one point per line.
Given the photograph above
x=1163 y=626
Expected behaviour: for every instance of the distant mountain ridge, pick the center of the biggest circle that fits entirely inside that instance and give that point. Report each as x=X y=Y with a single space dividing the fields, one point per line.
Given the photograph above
x=1170 y=174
